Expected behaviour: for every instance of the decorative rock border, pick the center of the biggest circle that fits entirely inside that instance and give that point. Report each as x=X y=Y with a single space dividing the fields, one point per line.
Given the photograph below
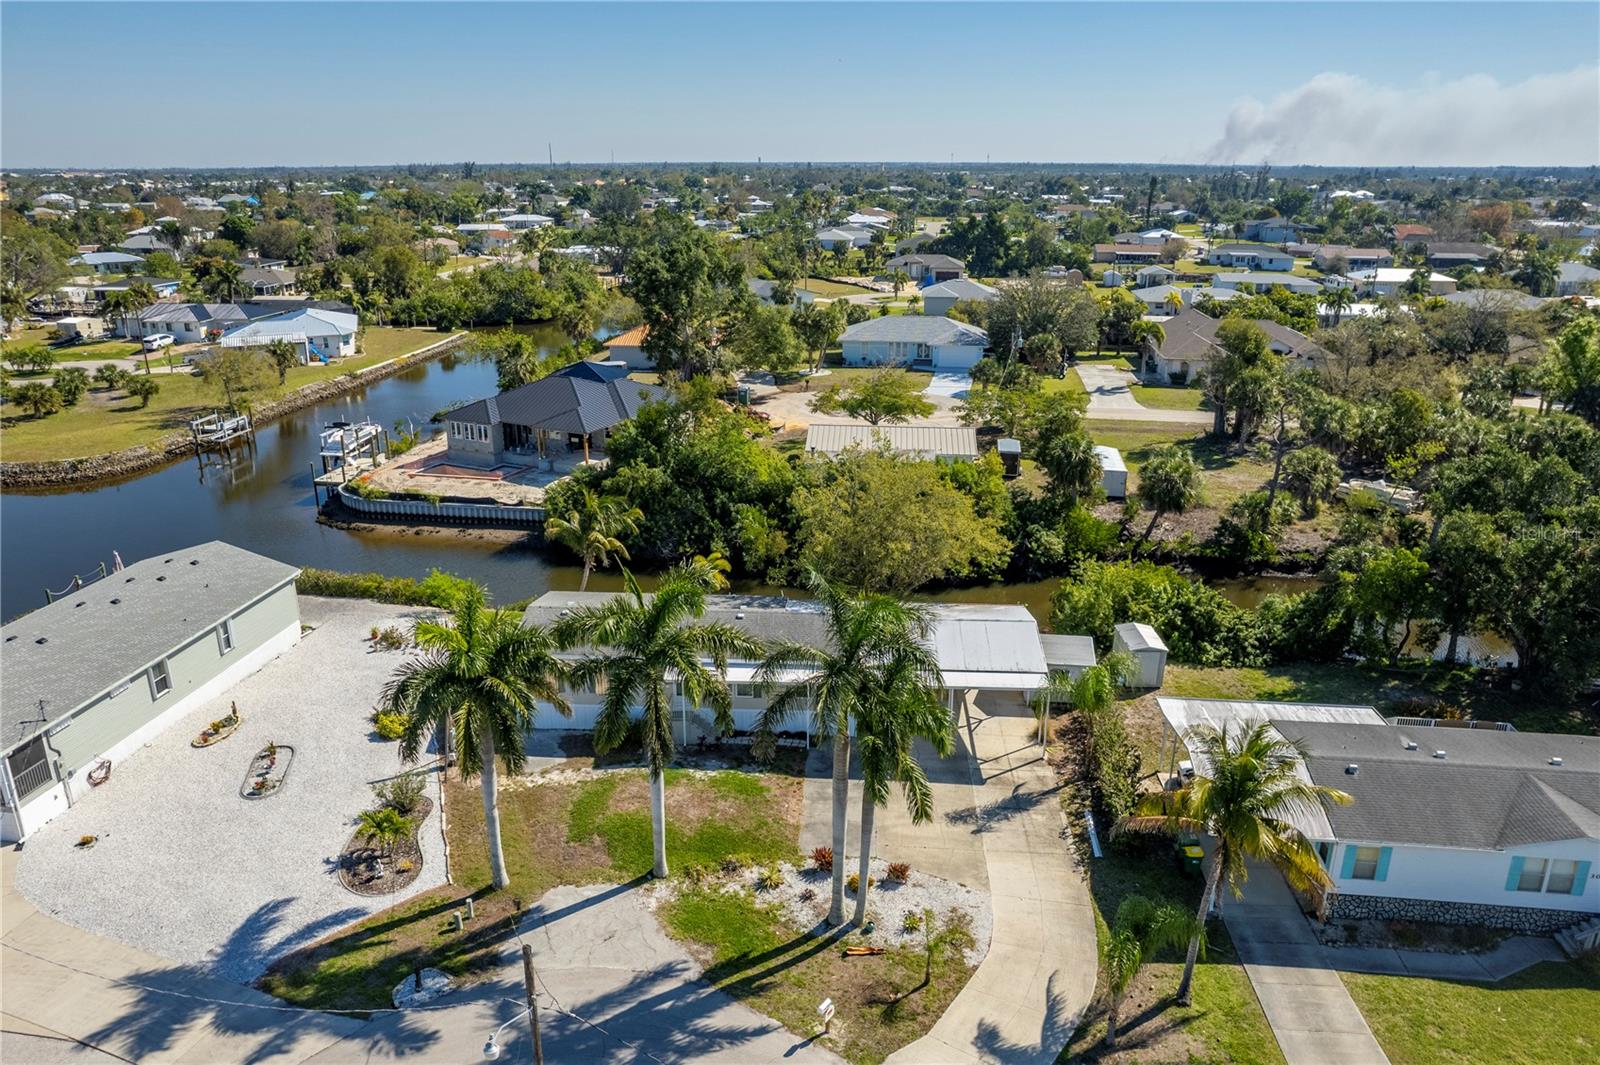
x=269 y=767
x=358 y=856
x=208 y=737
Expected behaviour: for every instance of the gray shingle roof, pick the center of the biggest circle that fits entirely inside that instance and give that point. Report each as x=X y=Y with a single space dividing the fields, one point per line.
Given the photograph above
x=1491 y=791
x=917 y=329
x=570 y=400
x=929 y=259
x=960 y=288
x=67 y=654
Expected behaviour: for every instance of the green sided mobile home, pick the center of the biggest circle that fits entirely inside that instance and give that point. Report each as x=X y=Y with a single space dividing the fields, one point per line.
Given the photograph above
x=100 y=672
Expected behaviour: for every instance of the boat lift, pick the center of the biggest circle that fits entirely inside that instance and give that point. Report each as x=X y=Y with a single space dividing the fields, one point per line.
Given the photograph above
x=349 y=449
x=217 y=429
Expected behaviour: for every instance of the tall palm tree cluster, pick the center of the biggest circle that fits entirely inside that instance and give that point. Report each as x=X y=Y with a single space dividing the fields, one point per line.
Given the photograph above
x=478 y=679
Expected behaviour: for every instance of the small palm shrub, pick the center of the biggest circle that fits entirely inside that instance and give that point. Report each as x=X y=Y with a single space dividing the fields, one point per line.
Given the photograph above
x=899 y=872
x=771 y=879
x=822 y=859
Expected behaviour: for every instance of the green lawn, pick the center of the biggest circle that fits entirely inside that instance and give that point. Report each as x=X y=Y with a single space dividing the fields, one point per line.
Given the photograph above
x=594 y=831
x=29 y=334
x=1070 y=383
x=756 y=955
x=818 y=286
x=1546 y=1015
x=457 y=262
x=110 y=421
x=1170 y=397
x=1225 y=1024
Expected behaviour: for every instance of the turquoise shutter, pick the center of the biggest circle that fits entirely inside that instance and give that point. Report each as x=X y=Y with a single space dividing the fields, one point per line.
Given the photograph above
x=1383 y=863
x=1347 y=870
x=1582 y=879
x=1515 y=874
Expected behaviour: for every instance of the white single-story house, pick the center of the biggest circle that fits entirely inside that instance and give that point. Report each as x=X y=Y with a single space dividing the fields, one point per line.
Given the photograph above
x=79 y=327
x=316 y=334
x=927 y=268
x=1171 y=299
x=1149 y=652
x=1264 y=282
x=1250 y=257
x=831 y=237
x=1577 y=279
x=1273 y=230
x=1113 y=471
x=1190 y=341
x=1127 y=253
x=920 y=341
x=980 y=649
x=525 y=221
x=1149 y=236
x=938 y=299
x=1454 y=822
x=108 y=666
x=107 y=262
x=1147 y=276
x=946 y=442
x=1388 y=281
x=161 y=286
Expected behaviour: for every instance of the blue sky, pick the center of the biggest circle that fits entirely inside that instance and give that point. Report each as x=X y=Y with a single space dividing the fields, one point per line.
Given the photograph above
x=149 y=84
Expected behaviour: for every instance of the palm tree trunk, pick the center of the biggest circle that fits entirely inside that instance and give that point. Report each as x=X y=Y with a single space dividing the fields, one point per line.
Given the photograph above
x=588 y=565
x=868 y=808
x=491 y=808
x=1111 y=1021
x=1148 y=529
x=841 y=808
x=1450 y=651
x=1213 y=880
x=658 y=820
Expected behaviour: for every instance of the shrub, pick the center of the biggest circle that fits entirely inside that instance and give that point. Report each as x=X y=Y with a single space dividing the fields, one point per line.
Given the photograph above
x=142 y=388
x=403 y=792
x=367 y=490
x=853 y=883
x=771 y=879
x=911 y=921
x=391 y=638
x=389 y=726
x=822 y=859
x=437 y=590
x=733 y=863
x=696 y=873
x=899 y=872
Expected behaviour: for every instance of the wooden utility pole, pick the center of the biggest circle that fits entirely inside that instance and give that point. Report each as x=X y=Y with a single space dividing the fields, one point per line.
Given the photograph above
x=533 y=1003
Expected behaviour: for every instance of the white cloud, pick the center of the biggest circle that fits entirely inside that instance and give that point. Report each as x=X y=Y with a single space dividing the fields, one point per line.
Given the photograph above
x=1340 y=119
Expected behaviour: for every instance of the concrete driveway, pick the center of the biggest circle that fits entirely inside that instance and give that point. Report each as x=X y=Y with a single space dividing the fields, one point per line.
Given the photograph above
x=187 y=869
x=1111 y=398
x=1311 y=1013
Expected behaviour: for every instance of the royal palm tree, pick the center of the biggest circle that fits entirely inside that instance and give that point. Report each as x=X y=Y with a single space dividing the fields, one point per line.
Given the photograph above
x=634 y=642
x=172 y=235
x=1142 y=928
x=1169 y=483
x=477 y=679
x=1246 y=799
x=593 y=527
x=903 y=706
x=224 y=280
x=865 y=635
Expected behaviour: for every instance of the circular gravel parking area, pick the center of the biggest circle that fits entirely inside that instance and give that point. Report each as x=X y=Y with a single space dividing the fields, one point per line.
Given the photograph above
x=185 y=868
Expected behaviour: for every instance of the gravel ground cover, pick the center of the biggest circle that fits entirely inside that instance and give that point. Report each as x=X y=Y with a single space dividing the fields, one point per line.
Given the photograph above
x=805 y=893
x=185 y=868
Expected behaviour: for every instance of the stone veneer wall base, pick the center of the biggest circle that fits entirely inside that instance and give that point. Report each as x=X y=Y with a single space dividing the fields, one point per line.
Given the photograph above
x=1525 y=920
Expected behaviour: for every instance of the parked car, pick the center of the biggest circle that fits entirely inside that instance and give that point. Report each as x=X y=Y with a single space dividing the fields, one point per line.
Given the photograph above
x=157 y=341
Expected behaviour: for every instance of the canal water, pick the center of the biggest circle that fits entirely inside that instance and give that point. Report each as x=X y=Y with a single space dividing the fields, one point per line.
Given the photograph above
x=262 y=500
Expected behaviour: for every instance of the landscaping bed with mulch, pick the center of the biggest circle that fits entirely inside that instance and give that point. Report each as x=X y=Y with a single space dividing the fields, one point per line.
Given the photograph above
x=368 y=870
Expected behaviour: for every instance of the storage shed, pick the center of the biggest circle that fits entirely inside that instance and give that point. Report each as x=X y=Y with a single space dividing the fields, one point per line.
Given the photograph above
x=1010 y=455
x=1113 y=472
x=1147 y=649
x=1067 y=654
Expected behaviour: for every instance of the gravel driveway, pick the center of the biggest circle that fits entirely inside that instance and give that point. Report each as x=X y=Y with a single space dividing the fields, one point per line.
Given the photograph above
x=185 y=868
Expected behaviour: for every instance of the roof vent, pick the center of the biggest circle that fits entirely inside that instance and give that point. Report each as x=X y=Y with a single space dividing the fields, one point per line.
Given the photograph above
x=162 y=577
x=1351 y=770
x=129 y=580
x=166 y=562
x=42 y=639
x=1411 y=745
x=10 y=638
x=738 y=615
x=77 y=604
x=1556 y=760
x=1439 y=755
x=194 y=562
x=115 y=602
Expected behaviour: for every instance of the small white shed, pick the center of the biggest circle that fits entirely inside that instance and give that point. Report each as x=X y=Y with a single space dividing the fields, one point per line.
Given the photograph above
x=1113 y=472
x=1147 y=649
x=1111 y=279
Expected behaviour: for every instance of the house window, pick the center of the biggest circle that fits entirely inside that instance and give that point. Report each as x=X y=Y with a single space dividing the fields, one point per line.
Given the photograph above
x=161 y=683
x=1366 y=863
x=1563 y=874
x=225 y=636
x=1532 y=875
x=747 y=691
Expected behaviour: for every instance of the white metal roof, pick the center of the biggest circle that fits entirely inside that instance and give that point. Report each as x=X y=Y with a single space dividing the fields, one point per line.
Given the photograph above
x=1111 y=460
x=1137 y=636
x=830 y=438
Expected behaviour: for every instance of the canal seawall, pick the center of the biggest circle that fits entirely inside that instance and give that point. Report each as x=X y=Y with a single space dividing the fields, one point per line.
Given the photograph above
x=91 y=469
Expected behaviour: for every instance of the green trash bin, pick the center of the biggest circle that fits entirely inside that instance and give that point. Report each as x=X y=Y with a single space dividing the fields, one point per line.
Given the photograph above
x=1190 y=854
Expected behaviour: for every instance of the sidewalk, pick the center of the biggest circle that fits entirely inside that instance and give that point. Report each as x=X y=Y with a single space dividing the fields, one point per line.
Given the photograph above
x=1311 y=1013
x=1027 y=996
